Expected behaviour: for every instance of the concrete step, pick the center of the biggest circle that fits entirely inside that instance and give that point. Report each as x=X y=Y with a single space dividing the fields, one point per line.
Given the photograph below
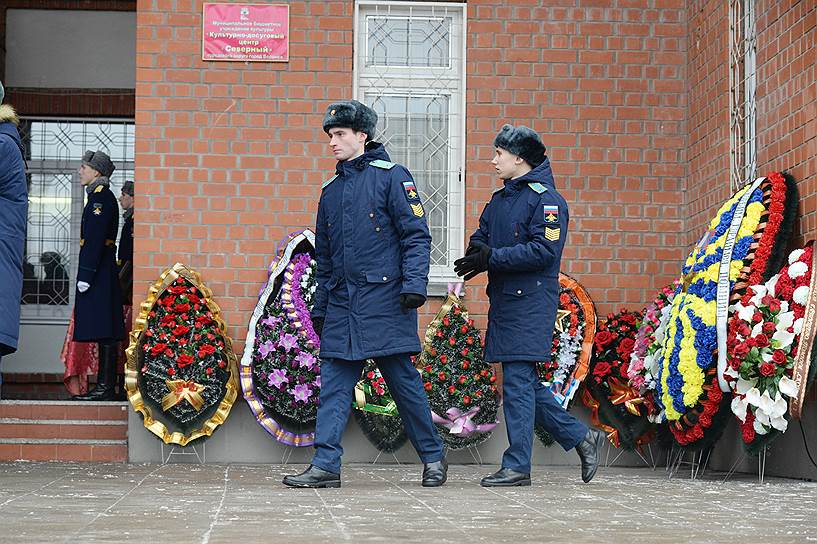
x=63 y=431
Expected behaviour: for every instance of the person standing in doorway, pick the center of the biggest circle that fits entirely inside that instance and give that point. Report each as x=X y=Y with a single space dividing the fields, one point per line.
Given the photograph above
x=372 y=247
x=519 y=243
x=124 y=263
x=98 y=306
x=13 y=218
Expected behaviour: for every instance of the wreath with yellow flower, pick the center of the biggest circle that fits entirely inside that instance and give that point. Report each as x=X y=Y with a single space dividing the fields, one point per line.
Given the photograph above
x=745 y=240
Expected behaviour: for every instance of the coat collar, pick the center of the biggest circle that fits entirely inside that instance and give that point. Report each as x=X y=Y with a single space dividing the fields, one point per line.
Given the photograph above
x=374 y=151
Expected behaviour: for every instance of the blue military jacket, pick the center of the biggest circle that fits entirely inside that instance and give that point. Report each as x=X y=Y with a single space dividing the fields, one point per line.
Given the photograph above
x=13 y=220
x=371 y=244
x=98 y=311
x=526 y=224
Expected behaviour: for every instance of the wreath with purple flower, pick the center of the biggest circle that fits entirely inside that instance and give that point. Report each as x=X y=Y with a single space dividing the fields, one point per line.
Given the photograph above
x=280 y=370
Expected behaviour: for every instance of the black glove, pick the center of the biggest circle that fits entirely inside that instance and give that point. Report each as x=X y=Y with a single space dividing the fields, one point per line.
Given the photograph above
x=317 y=325
x=475 y=261
x=409 y=301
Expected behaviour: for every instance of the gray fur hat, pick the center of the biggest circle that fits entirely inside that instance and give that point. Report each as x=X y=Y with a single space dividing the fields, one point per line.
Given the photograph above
x=127 y=187
x=350 y=114
x=521 y=141
x=2 y=92
x=100 y=162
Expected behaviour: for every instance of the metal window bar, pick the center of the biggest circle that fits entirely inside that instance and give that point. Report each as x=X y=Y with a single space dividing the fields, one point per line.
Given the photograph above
x=742 y=88
x=53 y=149
x=410 y=67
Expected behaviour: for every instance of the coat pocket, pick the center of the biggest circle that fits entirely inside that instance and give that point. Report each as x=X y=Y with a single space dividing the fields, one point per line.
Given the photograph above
x=521 y=287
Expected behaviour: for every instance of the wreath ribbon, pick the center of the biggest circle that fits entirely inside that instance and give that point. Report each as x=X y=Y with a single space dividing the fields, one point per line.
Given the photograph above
x=803 y=360
x=181 y=390
x=724 y=284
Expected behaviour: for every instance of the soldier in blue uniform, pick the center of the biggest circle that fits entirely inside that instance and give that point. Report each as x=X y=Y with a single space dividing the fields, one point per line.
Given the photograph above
x=372 y=247
x=519 y=243
x=98 y=307
x=124 y=260
x=124 y=264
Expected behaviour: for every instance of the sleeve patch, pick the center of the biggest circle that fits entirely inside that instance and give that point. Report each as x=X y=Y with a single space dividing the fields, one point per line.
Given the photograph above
x=411 y=191
x=551 y=214
x=417 y=209
x=97 y=208
x=552 y=233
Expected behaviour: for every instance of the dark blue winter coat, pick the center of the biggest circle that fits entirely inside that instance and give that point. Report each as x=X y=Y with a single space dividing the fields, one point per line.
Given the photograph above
x=98 y=311
x=13 y=218
x=526 y=225
x=371 y=244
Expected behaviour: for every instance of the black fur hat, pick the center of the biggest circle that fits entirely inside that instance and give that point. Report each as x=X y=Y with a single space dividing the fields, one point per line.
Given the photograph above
x=99 y=161
x=127 y=187
x=521 y=141
x=350 y=114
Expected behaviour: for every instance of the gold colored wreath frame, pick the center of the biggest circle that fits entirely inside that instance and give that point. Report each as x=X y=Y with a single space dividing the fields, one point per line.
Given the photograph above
x=132 y=371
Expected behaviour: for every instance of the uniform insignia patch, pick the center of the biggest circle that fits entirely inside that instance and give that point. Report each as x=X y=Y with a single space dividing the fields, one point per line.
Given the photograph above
x=97 y=208
x=418 y=210
x=411 y=190
x=551 y=214
x=552 y=234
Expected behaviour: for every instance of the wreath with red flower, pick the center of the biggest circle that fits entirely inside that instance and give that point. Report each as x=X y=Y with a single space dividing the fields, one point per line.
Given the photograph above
x=460 y=385
x=615 y=406
x=764 y=342
x=376 y=411
x=181 y=369
x=571 y=347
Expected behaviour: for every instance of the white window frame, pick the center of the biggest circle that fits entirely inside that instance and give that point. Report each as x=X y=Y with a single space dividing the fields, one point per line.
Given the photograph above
x=409 y=79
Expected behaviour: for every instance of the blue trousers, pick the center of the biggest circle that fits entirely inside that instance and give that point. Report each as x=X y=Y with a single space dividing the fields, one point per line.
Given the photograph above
x=338 y=379
x=526 y=400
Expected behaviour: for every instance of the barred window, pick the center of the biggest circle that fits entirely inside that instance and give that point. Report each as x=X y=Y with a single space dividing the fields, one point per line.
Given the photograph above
x=742 y=87
x=53 y=151
x=410 y=68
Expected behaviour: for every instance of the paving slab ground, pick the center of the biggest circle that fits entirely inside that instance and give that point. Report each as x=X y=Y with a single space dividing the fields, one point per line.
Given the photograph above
x=183 y=503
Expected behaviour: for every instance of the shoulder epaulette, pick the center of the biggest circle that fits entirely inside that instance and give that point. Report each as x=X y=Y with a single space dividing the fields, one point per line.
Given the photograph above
x=99 y=188
x=328 y=181
x=538 y=187
x=385 y=165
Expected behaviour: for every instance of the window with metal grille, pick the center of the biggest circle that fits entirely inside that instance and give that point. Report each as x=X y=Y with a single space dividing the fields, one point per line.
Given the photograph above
x=410 y=68
x=53 y=152
x=742 y=86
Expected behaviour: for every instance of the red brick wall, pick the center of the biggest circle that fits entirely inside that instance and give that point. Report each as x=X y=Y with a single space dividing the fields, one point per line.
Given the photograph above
x=787 y=98
x=708 y=142
x=606 y=88
x=786 y=111
x=230 y=156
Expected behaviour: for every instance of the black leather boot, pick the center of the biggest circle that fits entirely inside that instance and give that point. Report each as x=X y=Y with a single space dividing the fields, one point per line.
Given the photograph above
x=506 y=477
x=588 y=450
x=106 y=374
x=313 y=477
x=435 y=474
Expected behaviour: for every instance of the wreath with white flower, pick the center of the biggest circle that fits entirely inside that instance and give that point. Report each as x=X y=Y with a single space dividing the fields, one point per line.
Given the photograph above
x=764 y=340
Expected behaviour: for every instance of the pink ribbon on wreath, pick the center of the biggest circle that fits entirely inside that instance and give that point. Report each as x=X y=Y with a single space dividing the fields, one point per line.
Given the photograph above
x=455 y=288
x=460 y=423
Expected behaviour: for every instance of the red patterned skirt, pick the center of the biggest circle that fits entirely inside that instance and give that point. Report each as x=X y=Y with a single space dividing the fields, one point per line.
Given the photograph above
x=81 y=359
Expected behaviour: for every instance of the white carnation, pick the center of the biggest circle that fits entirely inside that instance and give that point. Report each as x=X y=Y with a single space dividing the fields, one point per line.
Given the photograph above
x=795 y=255
x=797 y=269
x=800 y=295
